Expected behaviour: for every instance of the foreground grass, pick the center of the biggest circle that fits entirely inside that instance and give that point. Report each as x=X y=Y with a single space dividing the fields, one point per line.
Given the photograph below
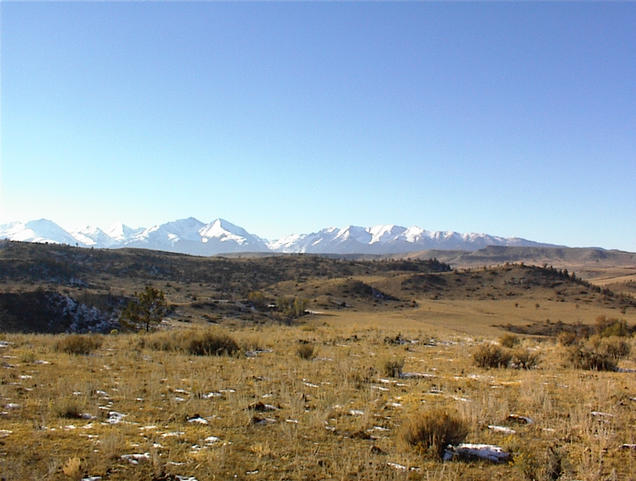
x=267 y=412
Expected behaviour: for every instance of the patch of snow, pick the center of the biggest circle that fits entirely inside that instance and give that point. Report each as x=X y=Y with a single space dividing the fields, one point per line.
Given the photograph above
x=380 y=388
x=136 y=458
x=417 y=375
x=601 y=414
x=198 y=420
x=114 y=417
x=501 y=429
x=468 y=451
x=211 y=395
x=520 y=419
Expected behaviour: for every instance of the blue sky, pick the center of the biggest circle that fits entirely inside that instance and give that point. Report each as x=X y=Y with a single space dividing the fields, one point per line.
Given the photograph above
x=511 y=119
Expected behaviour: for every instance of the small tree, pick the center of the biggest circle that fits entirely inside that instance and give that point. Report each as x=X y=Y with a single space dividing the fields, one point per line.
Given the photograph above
x=146 y=309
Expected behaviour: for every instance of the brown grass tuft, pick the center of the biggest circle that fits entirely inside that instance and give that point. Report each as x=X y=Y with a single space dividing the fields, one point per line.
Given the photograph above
x=210 y=343
x=432 y=431
x=68 y=408
x=509 y=340
x=567 y=338
x=306 y=351
x=72 y=468
x=78 y=343
x=393 y=367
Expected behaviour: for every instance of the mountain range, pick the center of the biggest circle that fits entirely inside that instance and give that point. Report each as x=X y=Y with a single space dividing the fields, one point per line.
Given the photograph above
x=191 y=236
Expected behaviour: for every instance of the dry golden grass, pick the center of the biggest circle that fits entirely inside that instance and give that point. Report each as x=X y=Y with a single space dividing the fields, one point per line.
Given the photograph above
x=78 y=343
x=161 y=405
x=430 y=432
x=278 y=416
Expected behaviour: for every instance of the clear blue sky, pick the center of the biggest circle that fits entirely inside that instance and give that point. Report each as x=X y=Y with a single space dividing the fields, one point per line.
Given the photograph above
x=511 y=119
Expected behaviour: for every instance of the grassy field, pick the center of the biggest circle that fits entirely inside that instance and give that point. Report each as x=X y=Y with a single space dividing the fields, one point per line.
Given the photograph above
x=267 y=413
x=330 y=395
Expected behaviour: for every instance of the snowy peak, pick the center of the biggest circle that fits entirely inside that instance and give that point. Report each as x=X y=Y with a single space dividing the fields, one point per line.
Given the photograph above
x=387 y=239
x=41 y=230
x=92 y=236
x=223 y=230
x=191 y=236
x=121 y=232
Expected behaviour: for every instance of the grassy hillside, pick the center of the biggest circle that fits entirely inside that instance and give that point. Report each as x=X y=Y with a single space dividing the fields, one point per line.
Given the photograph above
x=38 y=283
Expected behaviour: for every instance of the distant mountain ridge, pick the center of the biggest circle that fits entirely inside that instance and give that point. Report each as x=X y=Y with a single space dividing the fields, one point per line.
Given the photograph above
x=191 y=236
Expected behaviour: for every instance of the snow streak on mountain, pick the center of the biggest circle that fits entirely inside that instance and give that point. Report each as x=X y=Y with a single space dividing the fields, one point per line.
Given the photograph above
x=191 y=236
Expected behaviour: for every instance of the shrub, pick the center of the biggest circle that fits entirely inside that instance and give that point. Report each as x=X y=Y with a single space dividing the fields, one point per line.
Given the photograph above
x=615 y=347
x=433 y=431
x=78 y=343
x=251 y=343
x=567 y=338
x=72 y=468
x=145 y=310
x=28 y=357
x=257 y=298
x=585 y=357
x=306 y=351
x=161 y=341
x=291 y=307
x=490 y=355
x=211 y=344
x=194 y=342
x=612 y=327
x=524 y=359
x=393 y=367
x=69 y=409
x=509 y=340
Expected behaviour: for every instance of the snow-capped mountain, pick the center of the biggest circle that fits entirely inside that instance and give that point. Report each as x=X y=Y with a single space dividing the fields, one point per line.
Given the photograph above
x=41 y=230
x=388 y=239
x=191 y=236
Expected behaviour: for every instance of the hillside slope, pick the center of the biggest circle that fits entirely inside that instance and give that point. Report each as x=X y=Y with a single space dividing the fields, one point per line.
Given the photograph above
x=57 y=287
